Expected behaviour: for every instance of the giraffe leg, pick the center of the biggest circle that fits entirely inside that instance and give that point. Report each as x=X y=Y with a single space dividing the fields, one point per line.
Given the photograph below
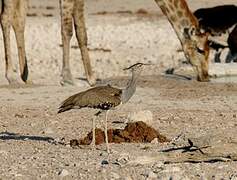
x=6 y=19
x=19 y=28
x=66 y=32
x=106 y=132
x=80 y=28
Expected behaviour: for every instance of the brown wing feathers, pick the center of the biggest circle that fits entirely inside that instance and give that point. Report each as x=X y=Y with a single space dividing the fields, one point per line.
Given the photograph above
x=101 y=97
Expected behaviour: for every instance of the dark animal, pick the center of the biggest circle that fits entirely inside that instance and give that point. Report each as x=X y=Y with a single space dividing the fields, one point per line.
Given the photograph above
x=218 y=20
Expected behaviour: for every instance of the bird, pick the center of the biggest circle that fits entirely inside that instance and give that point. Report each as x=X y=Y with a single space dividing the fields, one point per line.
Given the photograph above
x=104 y=98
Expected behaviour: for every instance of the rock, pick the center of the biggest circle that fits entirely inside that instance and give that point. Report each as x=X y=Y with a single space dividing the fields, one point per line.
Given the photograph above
x=20 y=115
x=158 y=166
x=48 y=130
x=123 y=158
x=104 y=162
x=145 y=116
x=154 y=141
x=63 y=173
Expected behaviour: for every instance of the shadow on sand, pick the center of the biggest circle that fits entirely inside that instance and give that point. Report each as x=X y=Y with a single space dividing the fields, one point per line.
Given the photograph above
x=5 y=136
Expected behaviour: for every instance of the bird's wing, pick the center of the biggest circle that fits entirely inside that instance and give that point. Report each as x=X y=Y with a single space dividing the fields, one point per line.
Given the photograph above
x=102 y=97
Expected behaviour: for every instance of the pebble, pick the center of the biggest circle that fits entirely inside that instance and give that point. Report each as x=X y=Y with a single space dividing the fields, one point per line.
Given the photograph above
x=158 y=166
x=48 y=131
x=63 y=173
x=104 y=162
x=155 y=141
x=145 y=116
x=123 y=158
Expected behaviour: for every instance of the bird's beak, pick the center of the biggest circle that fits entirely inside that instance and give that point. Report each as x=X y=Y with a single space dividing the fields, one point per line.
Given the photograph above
x=148 y=64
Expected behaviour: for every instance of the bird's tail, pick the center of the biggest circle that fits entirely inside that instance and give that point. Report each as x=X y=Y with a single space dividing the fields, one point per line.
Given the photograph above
x=64 y=108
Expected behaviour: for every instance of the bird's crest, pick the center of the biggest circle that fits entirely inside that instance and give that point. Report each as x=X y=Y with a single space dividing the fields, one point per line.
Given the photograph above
x=137 y=65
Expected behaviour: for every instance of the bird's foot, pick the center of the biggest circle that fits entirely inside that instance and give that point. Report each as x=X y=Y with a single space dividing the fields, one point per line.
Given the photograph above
x=92 y=146
x=108 y=151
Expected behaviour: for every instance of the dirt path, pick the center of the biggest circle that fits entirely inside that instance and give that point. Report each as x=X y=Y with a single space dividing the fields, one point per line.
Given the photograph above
x=30 y=125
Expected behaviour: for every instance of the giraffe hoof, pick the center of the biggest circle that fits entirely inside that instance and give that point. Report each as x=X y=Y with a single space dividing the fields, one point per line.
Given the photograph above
x=92 y=80
x=65 y=82
x=67 y=79
x=29 y=82
x=15 y=81
x=203 y=79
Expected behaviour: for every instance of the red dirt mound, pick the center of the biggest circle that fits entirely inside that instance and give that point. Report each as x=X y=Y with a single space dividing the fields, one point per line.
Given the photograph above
x=136 y=132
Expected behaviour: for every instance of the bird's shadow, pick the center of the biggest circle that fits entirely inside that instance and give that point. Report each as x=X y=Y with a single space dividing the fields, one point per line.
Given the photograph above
x=18 y=137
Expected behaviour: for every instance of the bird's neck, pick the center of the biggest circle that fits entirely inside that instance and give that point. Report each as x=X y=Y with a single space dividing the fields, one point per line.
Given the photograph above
x=131 y=87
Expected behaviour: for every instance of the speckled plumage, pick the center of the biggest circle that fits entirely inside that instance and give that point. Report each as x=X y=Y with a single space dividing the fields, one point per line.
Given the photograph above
x=101 y=97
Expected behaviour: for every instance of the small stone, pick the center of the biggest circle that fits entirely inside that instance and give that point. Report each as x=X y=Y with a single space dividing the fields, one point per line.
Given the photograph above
x=123 y=158
x=145 y=116
x=155 y=141
x=63 y=173
x=158 y=166
x=48 y=131
x=104 y=162
x=74 y=143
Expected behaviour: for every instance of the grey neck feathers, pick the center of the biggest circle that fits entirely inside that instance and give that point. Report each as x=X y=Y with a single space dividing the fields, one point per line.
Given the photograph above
x=131 y=87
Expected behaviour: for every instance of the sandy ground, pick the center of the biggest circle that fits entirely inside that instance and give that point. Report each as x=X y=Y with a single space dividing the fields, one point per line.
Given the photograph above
x=30 y=127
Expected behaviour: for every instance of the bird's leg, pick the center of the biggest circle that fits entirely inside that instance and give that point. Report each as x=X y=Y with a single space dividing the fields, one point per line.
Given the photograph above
x=106 y=132
x=93 y=130
x=93 y=133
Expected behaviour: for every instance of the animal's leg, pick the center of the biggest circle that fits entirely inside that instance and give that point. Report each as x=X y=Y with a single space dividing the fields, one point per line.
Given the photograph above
x=231 y=57
x=235 y=58
x=106 y=132
x=79 y=23
x=19 y=28
x=6 y=19
x=217 y=58
x=66 y=32
x=232 y=42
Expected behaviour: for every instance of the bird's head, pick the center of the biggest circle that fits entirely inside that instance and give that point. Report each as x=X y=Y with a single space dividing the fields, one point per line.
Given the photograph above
x=136 y=67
